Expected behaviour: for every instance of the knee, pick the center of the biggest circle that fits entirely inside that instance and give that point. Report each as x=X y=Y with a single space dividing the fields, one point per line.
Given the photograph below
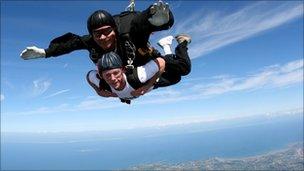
x=186 y=69
x=176 y=79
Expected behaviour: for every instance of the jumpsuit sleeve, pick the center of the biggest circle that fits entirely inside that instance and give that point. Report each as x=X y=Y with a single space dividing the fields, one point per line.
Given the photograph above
x=67 y=43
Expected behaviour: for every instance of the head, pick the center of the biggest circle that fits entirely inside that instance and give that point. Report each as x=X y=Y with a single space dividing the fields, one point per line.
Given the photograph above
x=101 y=25
x=110 y=68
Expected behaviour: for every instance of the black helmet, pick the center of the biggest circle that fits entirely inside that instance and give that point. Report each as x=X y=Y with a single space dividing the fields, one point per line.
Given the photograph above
x=98 y=19
x=108 y=61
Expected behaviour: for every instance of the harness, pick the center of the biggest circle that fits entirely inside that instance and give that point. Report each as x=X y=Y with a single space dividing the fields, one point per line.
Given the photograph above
x=124 y=22
x=128 y=48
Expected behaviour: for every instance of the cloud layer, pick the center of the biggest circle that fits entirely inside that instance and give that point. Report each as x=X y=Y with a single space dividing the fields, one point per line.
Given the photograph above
x=269 y=77
x=274 y=76
x=211 y=31
x=57 y=93
x=40 y=86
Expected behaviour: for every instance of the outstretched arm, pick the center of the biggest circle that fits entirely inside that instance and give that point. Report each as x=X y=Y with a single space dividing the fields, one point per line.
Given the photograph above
x=58 y=46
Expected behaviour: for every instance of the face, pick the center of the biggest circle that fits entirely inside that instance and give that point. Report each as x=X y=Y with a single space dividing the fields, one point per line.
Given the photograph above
x=115 y=78
x=105 y=37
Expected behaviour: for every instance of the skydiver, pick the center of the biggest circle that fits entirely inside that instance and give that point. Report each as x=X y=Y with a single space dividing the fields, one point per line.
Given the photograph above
x=127 y=34
x=111 y=79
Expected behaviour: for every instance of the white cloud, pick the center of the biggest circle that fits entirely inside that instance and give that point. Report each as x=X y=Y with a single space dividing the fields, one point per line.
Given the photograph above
x=57 y=93
x=274 y=76
x=40 y=86
x=217 y=29
x=2 y=97
x=209 y=118
x=285 y=112
x=90 y=103
x=65 y=65
x=163 y=93
x=97 y=102
x=47 y=110
x=291 y=66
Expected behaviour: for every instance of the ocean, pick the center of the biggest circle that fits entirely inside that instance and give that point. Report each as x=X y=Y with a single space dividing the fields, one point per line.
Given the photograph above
x=130 y=148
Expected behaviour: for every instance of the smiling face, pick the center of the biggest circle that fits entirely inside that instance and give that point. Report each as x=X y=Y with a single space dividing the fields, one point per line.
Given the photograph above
x=115 y=78
x=105 y=37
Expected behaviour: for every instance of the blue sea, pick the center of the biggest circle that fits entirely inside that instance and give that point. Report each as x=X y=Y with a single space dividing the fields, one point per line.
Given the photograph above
x=124 y=149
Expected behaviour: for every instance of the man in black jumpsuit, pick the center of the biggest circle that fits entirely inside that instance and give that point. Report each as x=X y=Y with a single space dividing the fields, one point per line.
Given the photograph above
x=127 y=34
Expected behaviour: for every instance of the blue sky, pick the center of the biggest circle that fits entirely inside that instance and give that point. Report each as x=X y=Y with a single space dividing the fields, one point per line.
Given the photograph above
x=247 y=59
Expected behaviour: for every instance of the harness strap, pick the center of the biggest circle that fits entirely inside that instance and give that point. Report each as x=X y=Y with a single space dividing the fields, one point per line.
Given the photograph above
x=124 y=22
x=130 y=50
x=133 y=80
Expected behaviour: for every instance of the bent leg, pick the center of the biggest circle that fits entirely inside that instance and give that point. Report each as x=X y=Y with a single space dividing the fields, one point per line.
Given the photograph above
x=181 y=52
x=141 y=28
x=179 y=63
x=142 y=21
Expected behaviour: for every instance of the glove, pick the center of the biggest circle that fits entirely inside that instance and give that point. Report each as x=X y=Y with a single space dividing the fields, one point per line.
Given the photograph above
x=32 y=53
x=160 y=13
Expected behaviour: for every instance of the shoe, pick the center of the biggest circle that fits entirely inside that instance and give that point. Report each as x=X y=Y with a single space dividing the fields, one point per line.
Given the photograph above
x=183 y=37
x=165 y=41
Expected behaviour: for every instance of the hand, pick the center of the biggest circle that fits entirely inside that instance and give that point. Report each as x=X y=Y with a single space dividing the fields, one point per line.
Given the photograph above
x=140 y=91
x=105 y=93
x=160 y=13
x=32 y=53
